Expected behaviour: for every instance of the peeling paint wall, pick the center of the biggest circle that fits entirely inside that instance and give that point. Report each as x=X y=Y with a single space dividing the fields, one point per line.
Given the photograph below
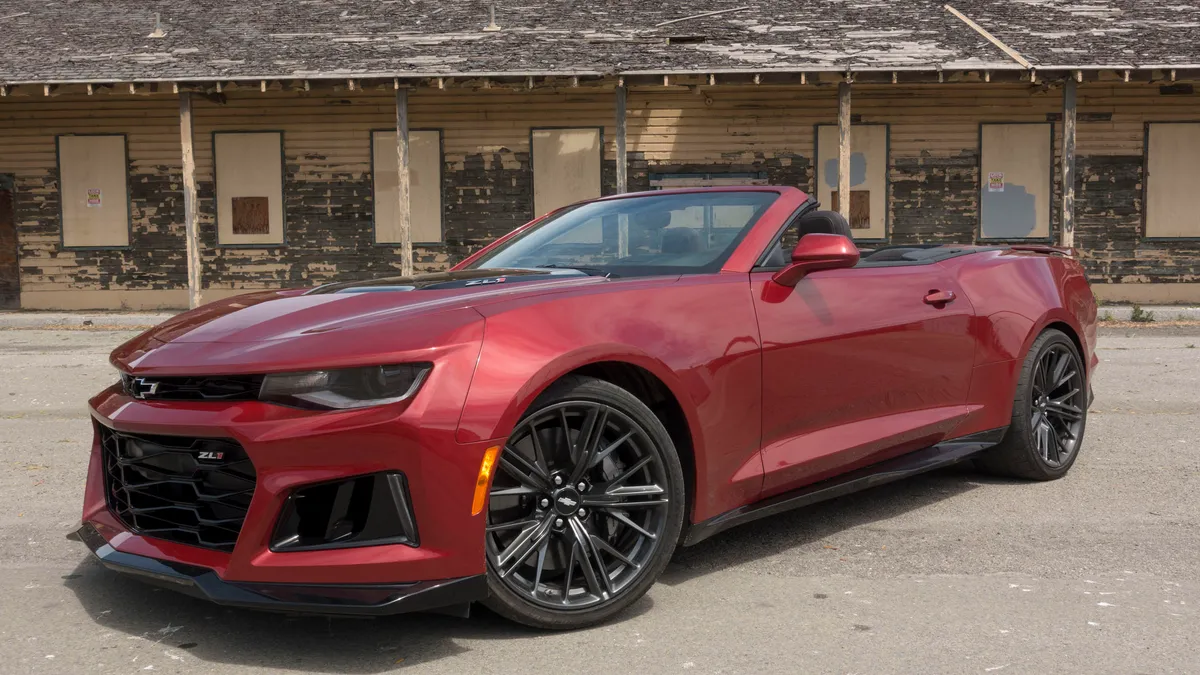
x=487 y=187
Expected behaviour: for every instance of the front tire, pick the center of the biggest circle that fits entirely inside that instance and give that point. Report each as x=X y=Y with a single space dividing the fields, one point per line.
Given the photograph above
x=585 y=510
x=1049 y=413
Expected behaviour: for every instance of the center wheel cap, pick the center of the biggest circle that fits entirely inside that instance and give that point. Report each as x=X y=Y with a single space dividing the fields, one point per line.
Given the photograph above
x=566 y=501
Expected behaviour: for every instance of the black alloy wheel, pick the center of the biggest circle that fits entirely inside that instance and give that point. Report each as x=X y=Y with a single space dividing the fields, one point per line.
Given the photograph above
x=1057 y=405
x=584 y=509
x=1049 y=413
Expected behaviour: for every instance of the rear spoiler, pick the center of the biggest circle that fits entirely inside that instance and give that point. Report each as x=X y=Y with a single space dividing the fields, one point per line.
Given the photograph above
x=1043 y=248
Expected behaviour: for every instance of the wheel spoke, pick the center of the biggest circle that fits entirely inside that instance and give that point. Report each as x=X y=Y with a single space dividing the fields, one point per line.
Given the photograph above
x=1039 y=379
x=511 y=526
x=594 y=571
x=541 y=564
x=523 y=546
x=1064 y=411
x=637 y=466
x=569 y=575
x=566 y=432
x=590 y=437
x=1056 y=449
x=600 y=543
x=625 y=520
x=539 y=454
x=529 y=475
x=513 y=491
x=616 y=496
x=599 y=456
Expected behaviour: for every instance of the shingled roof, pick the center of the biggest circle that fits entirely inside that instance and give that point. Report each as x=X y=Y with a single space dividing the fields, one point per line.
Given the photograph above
x=116 y=40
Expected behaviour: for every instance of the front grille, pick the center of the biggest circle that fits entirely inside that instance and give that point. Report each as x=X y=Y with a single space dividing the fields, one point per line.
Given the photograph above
x=200 y=388
x=190 y=490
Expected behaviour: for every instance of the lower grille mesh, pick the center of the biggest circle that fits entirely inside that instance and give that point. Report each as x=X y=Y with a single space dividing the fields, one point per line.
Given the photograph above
x=189 y=490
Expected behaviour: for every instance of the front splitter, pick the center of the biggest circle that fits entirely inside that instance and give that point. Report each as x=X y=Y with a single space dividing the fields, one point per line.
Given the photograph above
x=454 y=595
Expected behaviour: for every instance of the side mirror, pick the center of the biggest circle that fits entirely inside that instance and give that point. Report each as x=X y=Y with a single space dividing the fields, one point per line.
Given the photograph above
x=815 y=252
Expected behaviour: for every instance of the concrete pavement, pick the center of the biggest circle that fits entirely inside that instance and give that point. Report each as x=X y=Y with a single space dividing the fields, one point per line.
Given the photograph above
x=952 y=572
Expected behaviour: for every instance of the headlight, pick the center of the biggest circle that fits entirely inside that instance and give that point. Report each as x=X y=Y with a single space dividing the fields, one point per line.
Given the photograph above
x=344 y=389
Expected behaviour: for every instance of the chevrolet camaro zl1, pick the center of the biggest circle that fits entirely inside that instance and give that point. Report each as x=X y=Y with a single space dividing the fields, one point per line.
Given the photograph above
x=541 y=426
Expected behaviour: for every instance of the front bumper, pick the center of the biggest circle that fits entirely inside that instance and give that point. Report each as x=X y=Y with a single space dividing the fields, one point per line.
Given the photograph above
x=330 y=599
x=292 y=449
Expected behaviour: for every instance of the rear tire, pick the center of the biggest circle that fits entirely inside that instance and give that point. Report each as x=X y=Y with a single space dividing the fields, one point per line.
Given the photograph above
x=1049 y=414
x=585 y=510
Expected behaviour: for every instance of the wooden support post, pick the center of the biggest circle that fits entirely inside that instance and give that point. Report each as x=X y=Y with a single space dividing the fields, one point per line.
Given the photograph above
x=622 y=168
x=844 y=149
x=191 y=206
x=1066 y=236
x=622 y=154
x=404 y=205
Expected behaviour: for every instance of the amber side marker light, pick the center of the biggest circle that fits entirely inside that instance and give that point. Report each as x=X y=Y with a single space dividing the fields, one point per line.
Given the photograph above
x=485 y=478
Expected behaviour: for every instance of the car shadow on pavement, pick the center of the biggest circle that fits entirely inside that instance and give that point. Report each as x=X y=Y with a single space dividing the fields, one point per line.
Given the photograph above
x=213 y=634
x=189 y=627
x=793 y=529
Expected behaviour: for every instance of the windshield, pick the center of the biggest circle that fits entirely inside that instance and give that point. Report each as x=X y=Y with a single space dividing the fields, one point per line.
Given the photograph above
x=657 y=234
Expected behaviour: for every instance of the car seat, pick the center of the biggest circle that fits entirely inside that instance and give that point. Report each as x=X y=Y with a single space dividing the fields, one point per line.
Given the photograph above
x=681 y=240
x=815 y=222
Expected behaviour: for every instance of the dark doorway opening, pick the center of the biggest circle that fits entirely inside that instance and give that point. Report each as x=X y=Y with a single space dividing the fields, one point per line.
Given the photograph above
x=10 y=270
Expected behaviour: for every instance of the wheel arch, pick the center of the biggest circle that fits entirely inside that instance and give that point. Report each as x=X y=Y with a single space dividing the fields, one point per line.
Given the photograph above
x=1062 y=321
x=665 y=405
x=647 y=378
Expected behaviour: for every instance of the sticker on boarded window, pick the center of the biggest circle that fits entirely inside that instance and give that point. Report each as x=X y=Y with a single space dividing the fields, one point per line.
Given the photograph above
x=860 y=208
x=251 y=215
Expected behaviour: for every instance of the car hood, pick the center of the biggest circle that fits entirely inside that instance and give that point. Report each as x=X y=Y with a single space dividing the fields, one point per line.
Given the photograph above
x=348 y=313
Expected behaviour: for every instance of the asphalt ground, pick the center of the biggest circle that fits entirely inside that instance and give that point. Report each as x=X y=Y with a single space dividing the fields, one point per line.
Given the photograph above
x=951 y=572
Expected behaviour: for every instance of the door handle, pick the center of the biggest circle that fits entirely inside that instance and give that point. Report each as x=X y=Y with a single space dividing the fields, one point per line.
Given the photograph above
x=939 y=298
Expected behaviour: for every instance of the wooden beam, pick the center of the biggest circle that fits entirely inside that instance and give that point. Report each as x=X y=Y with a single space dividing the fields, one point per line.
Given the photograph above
x=404 y=204
x=191 y=204
x=844 y=149
x=1066 y=236
x=622 y=152
x=1012 y=53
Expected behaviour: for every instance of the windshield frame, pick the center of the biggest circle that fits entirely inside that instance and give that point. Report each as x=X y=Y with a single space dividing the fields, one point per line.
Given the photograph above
x=482 y=257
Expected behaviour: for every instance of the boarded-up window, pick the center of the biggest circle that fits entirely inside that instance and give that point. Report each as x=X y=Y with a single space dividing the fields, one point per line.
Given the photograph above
x=92 y=186
x=868 y=176
x=1015 y=196
x=424 y=184
x=251 y=215
x=860 y=208
x=249 y=172
x=1173 y=162
x=566 y=167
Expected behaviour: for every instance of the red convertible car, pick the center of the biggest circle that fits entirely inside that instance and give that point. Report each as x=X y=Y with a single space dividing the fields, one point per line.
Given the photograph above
x=541 y=426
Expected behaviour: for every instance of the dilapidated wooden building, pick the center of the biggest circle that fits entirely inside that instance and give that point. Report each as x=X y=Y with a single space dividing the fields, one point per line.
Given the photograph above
x=153 y=154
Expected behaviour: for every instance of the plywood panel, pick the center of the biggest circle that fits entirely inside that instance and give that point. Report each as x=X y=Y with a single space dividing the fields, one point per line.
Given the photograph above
x=1015 y=193
x=566 y=167
x=868 y=173
x=1172 y=199
x=93 y=177
x=425 y=184
x=249 y=165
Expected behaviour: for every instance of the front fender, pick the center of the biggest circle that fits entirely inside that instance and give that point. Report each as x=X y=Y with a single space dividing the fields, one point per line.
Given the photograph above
x=698 y=336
